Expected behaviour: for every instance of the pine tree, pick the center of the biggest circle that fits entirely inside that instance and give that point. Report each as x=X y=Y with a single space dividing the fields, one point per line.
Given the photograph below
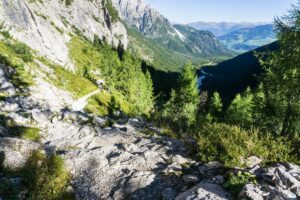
x=282 y=77
x=215 y=108
x=240 y=110
x=181 y=110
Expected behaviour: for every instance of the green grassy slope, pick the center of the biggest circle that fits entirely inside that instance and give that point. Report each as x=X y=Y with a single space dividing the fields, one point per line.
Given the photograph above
x=173 y=58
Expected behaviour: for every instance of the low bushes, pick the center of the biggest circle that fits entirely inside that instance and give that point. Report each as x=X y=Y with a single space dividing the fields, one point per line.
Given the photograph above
x=22 y=50
x=46 y=178
x=103 y=104
x=236 y=182
x=231 y=144
x=43 y=177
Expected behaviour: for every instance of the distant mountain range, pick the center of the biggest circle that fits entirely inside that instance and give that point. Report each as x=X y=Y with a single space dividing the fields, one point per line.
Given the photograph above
x=249 y=38
x=239 y=37
x=223 y=28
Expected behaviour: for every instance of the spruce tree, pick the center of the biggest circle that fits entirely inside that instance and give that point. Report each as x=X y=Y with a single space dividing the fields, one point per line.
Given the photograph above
x=215 y=108
x=282 y=77
x=240 y=111
x=181 y=110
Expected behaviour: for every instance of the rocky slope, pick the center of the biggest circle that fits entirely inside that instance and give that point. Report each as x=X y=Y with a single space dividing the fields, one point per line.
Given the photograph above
x=45 y=26
x=120 y=162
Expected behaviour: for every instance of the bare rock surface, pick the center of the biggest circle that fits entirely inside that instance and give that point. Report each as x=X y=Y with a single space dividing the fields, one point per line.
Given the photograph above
x=15 y=152
x=45 y=25
x=206 y=191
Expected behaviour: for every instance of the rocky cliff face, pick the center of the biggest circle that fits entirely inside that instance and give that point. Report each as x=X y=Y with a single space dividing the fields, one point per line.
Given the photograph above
x=146 y=19
x=46 y=26
x=153 y=25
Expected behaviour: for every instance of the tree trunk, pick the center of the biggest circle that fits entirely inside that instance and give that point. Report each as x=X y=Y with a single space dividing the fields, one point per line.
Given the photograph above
x=286 y=121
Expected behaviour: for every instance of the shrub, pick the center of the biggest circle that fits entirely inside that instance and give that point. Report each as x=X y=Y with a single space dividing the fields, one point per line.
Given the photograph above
x=8 y=190
x=22 y=50
x=14 y=130
x=111 y=10
x=45 y=178
x=25 y=132
x=101 y=104
x=231 y=144
x=236 y=182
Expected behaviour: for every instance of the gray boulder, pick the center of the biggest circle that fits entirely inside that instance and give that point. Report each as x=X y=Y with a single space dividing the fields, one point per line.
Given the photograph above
x=203 y=190
x=15 y=152
x=252 y=192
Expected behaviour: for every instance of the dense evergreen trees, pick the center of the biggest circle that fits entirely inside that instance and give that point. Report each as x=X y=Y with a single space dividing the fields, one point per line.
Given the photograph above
x=264 y=121
x=125 y=82
x=181 y=110
x=282 y=77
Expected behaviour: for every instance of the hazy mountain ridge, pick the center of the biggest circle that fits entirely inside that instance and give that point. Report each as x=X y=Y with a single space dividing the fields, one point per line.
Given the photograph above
x=249 y=38
x=223 y=28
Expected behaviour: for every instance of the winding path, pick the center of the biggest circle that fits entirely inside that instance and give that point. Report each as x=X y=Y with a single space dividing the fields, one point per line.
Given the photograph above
x=79 y=104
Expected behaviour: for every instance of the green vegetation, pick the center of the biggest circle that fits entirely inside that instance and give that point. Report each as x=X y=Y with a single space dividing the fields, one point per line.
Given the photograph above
x=113 y=13
x=161 y=57
x=262 y=122
x=124 y=79
x=14 y=130
x=236 y=182
x=46 y=178
x=43 y=177
x=4 y=32
x=22 y=50
x=231 y=144
x=15 y=55
x=168 y=50
x=74 y=83
x=56 y=27
x=181 y=110
x=24 y=132
x=68 y=2
x=101 y=103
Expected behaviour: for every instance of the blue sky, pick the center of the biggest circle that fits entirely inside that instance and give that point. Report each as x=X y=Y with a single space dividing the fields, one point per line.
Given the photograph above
x=184 y=11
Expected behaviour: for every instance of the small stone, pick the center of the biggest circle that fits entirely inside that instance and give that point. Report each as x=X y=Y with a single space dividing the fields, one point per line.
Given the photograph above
x=252 y=161
x=218 y=179
x=209 y=168
x=251 y=192
x=169 y=194
x=98 y=121
x=190 y=178
x=179 y=160
x=204 y=190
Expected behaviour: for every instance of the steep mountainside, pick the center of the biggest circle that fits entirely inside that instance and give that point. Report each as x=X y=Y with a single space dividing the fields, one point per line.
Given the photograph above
x=235 y=75
x=249 y=38
x=203 y=42
x=45 y=26
x=154 y=26
x=222 y=28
